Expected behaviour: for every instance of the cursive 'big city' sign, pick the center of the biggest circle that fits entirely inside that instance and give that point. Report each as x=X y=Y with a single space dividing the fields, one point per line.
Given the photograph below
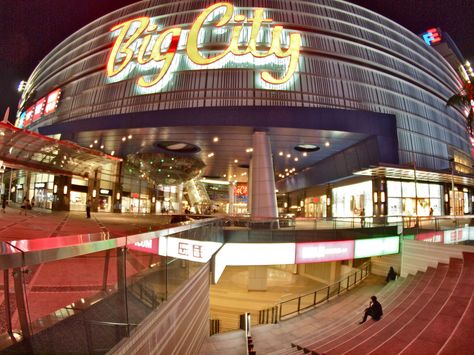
x=139 y=44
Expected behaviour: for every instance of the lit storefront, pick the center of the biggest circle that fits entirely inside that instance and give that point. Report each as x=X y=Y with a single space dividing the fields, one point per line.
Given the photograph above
x=407 y=199
x=352 y=200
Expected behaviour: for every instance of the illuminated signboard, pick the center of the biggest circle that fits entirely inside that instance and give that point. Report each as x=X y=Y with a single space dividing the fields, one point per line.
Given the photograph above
x=39 y=106
x=432 y=36
x=148 y=246
x=324 y=251
x=435 y=237
x=187 y=249
x=241 y=192
x=43 y=106
x=236 y=254
x=145 y=49
x=52 y=101
x=364 y=248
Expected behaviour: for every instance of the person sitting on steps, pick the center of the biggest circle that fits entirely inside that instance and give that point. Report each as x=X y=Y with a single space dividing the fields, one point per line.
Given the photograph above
x=374 y=310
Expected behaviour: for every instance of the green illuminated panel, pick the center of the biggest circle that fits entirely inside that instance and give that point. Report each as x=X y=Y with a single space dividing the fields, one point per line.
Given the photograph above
x=376 y=246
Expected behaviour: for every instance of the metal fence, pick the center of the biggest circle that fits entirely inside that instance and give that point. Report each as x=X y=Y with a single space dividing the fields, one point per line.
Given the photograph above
x=296 y=305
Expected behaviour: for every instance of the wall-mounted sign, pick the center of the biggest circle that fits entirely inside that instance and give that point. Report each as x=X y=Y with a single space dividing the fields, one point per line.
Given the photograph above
x=188 y=249
x=42 y=107
x=145 y=50
x=324 y=251
x=105 y=192
x=40 y=185
x=431 y=36
x=376 y=246
x=19 y=186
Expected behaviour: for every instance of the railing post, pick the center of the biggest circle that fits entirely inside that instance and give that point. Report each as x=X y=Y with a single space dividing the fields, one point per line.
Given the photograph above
x=299 y=304
x=279 y=313
x=327 y=297
x=315 y=297
x=347 y=288
x=339 y=287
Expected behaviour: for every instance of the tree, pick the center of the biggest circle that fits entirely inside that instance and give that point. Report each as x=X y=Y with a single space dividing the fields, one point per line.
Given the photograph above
x=465 y=97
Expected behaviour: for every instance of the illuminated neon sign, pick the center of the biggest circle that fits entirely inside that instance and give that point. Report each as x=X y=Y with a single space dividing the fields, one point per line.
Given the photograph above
x=431 y=36
x=42 y=107
x=155 y=54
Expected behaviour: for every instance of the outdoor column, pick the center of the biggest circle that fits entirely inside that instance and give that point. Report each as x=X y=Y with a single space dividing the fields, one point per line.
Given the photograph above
x=263 y=199
x=61 y=191
x=231 y=198
x=117 y=190
x=94 y=185
x=179 y=197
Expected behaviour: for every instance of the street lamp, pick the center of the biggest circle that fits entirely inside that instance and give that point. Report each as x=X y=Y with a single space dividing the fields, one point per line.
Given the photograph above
x=451 y=163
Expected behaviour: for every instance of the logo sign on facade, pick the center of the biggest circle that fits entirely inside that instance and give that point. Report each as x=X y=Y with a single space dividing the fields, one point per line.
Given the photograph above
x=105 y=192
x=431 y=36
x=324 y=251
x=40 y=185
x=144 y=49
x=187 y=249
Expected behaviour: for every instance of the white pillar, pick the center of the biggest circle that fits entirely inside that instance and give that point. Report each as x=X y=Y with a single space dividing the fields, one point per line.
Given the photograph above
x=263 y=200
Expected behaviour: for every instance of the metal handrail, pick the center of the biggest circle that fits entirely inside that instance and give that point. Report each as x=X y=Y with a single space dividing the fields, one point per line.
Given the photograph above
x=22 y=253
x=275 y=314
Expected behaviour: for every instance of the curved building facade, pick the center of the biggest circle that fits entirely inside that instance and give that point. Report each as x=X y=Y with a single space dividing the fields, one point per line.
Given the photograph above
x=327 y=67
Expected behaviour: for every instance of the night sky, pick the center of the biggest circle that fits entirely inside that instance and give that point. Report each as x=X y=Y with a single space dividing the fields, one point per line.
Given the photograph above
x=31 y=28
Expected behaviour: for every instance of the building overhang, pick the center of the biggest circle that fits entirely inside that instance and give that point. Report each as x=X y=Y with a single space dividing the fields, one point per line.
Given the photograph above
x=410 y=173
x=23 y=149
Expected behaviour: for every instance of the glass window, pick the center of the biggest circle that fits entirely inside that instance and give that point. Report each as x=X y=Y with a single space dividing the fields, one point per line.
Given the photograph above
x=408 y=189
x=435 y=190
x=422 y=190
x=394 y=188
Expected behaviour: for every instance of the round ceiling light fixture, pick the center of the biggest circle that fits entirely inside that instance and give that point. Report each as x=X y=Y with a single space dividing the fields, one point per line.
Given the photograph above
x=307 y=148
x=180 y=147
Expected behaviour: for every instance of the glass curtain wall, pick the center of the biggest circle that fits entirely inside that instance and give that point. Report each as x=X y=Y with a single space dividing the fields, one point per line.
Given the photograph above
x=407 y=199
x=350 y=200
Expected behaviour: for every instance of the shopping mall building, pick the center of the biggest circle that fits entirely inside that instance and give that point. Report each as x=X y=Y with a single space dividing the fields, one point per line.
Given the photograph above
x=315 y=108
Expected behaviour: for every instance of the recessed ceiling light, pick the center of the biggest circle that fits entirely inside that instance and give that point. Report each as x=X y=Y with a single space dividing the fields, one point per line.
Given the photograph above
x=90 y=145
x=305 y=154
x=113 y=152
x=288 y=155
x=280 y=154
x=129 y=136
x=101 y=147
x=236 y=161
x=95 y=142
x=124 y=139
x=327 y=144
x=308 y=148
x=210 y=155
x=215 y=139
x=296 y=159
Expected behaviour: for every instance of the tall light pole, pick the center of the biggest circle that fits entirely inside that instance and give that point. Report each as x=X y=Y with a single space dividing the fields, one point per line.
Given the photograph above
x=451 y=161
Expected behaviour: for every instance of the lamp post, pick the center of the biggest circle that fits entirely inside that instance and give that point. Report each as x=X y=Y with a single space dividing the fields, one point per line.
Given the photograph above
x=451 y=161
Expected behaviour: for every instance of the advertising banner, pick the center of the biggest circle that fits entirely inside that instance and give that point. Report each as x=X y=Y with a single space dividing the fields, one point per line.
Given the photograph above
x=376 y=246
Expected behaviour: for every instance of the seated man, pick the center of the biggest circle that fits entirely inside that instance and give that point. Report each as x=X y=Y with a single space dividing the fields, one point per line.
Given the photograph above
x=374 y=310
x=392 y=275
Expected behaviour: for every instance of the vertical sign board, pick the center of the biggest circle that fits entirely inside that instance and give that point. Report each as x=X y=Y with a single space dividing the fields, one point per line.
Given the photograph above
x=365 y=248
x=318 y=252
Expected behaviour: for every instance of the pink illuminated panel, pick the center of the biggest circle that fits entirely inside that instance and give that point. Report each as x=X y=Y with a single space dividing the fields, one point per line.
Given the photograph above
x=324 y=251
x=52 y=101
x=39 y=106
